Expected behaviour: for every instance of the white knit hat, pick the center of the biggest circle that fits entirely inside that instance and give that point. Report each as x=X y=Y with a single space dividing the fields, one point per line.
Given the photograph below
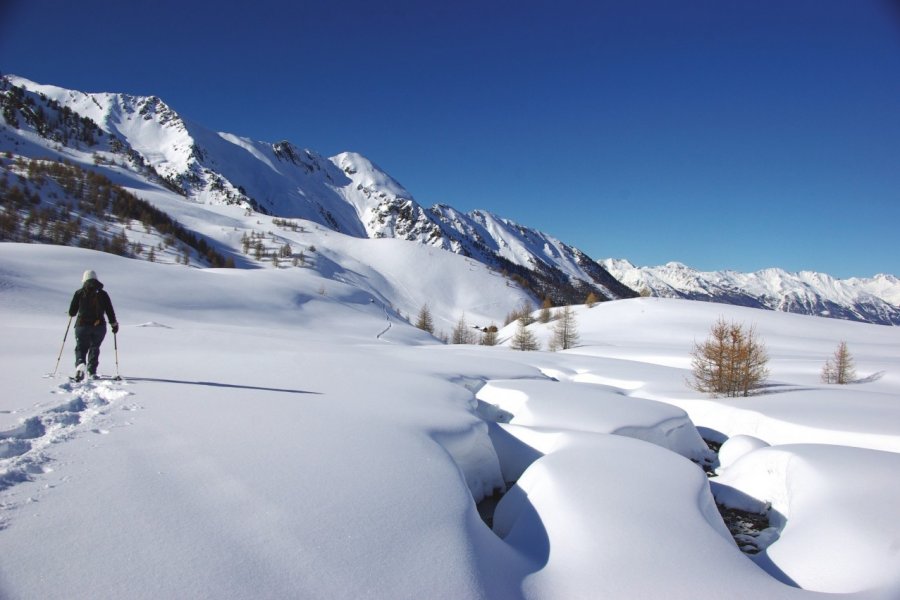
x=88 y=275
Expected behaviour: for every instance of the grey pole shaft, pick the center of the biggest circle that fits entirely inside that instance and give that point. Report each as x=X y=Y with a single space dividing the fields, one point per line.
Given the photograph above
x=58 y=358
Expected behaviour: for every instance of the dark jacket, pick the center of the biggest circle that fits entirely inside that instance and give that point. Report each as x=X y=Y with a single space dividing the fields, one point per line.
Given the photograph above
x=90 y=303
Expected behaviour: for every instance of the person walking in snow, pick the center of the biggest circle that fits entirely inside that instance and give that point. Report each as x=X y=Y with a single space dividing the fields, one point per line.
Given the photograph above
x=90 y=303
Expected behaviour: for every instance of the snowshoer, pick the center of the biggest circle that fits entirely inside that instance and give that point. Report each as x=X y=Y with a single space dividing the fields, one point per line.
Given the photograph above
x=90 y=303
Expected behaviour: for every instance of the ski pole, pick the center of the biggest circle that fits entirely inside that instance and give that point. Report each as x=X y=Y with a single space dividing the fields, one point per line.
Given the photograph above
x=61 y=347
x=116 y=346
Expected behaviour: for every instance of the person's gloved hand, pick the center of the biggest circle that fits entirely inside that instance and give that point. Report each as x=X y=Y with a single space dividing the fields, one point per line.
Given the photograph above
x=115 y=327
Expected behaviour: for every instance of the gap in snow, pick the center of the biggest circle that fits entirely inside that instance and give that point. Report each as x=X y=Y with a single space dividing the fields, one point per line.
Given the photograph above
x=754 y=525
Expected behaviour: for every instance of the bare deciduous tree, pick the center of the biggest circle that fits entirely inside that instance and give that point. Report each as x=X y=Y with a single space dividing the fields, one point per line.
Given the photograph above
x=731 y=362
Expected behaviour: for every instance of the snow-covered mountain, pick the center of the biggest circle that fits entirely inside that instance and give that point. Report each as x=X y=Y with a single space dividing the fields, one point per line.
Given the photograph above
x=346 y=193
x=871 y=300
x=142 y=142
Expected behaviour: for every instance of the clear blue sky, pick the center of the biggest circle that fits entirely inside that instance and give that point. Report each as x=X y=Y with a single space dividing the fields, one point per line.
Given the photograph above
x=719 y=133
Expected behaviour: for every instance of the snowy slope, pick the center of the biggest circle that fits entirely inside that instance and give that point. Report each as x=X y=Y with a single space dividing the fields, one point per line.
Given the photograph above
x=280 y=434
x=346 y=193
x=871 y=300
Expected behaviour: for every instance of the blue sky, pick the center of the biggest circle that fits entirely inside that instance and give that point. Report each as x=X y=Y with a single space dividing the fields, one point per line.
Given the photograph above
x=722 y=134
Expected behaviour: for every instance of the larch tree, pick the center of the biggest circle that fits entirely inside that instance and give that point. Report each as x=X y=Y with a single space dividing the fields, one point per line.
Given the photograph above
x=524 y=338
x=461 y=333
x=565 y=330
x=545 y=314
x=731 y=362
x=839 y=368
x=424 y=320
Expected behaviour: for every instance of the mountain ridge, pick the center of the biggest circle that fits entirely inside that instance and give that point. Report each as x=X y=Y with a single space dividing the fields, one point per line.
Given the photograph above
x=350 y=194
x=347 y=193
x=870 y=300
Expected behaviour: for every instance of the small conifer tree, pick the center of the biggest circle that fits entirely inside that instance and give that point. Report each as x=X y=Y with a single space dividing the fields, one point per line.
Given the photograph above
x=524 y=338
x=424 y=320
x=731 y=362
x=544 y=315
x=565 y=331
x=839 y=368
x=461 y=333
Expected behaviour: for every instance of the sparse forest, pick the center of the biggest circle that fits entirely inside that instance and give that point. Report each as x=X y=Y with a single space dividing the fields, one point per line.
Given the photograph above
x=51 y=202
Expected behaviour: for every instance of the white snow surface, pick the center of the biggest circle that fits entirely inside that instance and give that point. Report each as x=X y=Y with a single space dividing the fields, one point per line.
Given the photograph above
x=281 y=433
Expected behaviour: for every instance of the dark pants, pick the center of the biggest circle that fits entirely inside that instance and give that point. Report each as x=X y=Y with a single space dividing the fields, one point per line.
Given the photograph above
x=87 y=345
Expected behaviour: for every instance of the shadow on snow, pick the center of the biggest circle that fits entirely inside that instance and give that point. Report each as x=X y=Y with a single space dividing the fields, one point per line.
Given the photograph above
x=222 y=385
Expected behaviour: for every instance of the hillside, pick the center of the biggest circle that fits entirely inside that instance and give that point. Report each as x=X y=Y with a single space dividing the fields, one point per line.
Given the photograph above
x=144 y=141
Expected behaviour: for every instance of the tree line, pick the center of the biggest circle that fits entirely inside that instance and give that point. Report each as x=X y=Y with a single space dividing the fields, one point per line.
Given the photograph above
x=565 y=330
x=86 y=195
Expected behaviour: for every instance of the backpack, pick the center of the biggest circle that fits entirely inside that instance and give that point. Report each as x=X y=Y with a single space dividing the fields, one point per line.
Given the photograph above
x=90 y=308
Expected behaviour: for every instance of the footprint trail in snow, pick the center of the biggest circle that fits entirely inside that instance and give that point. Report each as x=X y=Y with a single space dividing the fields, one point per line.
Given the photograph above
x=23 y=449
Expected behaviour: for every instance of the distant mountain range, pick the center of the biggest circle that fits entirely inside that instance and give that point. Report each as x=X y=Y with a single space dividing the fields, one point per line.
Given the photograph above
x=350 y=194
x=871 y=300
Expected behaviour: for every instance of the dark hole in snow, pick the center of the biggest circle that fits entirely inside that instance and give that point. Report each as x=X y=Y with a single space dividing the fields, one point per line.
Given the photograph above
x=747 y=528
x=752 y=532
x=714 y=446
x=488 y=505
x=714 y=441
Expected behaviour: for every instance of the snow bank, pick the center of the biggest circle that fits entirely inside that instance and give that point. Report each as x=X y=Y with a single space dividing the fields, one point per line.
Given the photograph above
x=840 y=512
x=590 y=512
x=736 y=447
x=566 y=406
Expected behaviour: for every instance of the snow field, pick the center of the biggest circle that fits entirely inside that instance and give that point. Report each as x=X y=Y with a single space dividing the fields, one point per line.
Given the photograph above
x=279 y=442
